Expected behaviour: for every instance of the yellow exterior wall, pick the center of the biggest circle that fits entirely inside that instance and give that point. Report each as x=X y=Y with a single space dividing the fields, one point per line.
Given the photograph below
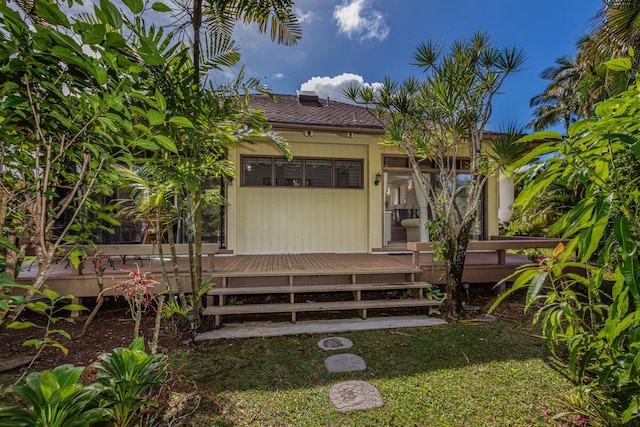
x=291 y=220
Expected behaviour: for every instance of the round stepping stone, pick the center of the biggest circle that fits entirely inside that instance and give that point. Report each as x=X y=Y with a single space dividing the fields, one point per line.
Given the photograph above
x=335 y=343
x=345 y=363
x=355 y=396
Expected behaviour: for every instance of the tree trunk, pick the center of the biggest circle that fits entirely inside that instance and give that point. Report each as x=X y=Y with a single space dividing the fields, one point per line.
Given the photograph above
x=455 y=256
x=176 y=269
x=92 y=316
x=156 y=326
x=197 y=228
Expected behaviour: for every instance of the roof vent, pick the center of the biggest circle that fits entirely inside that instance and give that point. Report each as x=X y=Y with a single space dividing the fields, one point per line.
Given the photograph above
x=308 y=97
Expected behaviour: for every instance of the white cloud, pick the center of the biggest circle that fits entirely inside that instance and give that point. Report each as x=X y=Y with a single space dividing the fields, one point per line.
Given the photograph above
x=279 y=76
x=357 y=19
x=304 y=17
x=332 y=87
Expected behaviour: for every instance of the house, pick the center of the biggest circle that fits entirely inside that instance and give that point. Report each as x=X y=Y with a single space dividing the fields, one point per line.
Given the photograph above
x=342 y=192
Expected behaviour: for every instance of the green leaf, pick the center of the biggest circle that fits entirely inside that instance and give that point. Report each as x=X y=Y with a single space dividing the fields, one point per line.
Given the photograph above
x=111 y=13
x=33 y=342
x=165 y=143
x=93 y=34
x=135 y=6
x=38 y=307
x=537 y=282
x=22 y=325
x=155 y=117
x=623 y=235
x=162 y=102
x=181 y=121
x=50 y=294
x=618 y=64
x=13 y=101
x=109 y=219
x=541 y=136
x=630 y=269
x=51 y=13
x=74 y=307
x=145 y=144
x=160 y=7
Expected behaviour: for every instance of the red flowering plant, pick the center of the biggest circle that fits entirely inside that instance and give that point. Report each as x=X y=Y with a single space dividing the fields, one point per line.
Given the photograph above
x=138 y=291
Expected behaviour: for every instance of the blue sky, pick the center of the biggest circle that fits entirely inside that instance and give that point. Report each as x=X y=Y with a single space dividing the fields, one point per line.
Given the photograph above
x=365 y=40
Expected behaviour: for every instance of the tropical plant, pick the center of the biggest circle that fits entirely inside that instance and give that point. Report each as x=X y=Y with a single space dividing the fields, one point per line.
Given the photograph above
x=132 y=382
x=55 y=399
x=138 y=292
x=67 y=120
x=49 y=306
x=180 y=317
x=588 y=292
x=216 y=50
x=538 y=215
x=442 y=119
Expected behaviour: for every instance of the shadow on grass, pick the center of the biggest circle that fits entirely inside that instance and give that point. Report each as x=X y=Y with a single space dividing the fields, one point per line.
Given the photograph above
x=283 y=363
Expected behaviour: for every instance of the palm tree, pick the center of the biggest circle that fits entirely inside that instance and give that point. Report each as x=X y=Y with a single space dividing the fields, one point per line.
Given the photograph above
x=576 y=84
x=559 y=103
x=218 y=17
x=618 y=26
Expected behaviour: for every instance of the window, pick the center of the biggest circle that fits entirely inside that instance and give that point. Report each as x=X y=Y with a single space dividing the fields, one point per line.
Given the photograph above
x=348 y=174
x=318 y=173
x=256 y=171
x=396 y=162
x=288 y=173
x=301 y=172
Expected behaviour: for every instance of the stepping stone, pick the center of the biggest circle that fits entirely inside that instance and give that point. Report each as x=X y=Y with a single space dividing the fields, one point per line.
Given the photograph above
x=345 y=363
x=355 y=396
x=335 y=343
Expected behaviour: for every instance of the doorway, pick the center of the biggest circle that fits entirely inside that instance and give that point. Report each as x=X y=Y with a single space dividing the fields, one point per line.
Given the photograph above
x=401 y=210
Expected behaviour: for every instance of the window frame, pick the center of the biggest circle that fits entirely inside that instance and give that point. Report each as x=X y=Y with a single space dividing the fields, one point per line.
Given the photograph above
x=270 y=182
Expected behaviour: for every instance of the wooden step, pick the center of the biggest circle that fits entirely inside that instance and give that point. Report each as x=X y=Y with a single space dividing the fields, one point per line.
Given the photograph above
x=317 y=306
x=301 y=289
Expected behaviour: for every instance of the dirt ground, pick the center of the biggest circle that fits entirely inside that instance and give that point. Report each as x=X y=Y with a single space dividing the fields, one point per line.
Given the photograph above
x=113 y=327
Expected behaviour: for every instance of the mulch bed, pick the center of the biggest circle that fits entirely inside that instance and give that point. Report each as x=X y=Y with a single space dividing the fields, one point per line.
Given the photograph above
x=113 y=327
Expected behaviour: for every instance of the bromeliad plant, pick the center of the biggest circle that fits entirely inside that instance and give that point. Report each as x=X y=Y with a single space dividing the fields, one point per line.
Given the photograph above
x=588 y=293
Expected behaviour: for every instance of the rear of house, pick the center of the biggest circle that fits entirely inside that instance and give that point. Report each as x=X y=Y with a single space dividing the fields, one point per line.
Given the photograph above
x=342 y=192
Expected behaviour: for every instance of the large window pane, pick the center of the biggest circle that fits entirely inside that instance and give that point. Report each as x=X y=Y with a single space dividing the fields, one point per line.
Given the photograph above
x=318 y=173
x=256 y=171
x=348 y=174
x=463 y=181
x=288 y=173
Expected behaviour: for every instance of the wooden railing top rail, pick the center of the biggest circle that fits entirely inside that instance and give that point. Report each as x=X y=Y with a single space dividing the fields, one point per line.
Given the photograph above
x=500 y=246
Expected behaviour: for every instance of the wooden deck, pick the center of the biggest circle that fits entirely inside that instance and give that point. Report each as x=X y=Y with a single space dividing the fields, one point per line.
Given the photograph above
x=285 y=269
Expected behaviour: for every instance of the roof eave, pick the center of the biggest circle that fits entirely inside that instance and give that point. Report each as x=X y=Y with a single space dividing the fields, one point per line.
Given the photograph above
x=327 y=128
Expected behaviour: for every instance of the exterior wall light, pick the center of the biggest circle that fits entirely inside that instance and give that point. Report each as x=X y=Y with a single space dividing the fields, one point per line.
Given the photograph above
x=378 y=179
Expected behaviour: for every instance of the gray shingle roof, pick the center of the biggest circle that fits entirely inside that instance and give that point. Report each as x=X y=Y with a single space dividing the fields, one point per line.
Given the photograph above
x=290 y=110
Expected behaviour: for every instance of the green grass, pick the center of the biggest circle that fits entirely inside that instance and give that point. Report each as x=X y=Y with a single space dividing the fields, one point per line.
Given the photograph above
x=454 y=375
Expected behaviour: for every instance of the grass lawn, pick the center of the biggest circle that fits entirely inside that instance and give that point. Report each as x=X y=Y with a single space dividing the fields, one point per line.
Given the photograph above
x=466 y=374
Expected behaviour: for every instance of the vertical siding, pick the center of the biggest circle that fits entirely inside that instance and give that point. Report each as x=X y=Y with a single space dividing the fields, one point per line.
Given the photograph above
x=281 y=220
x=299 y=220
